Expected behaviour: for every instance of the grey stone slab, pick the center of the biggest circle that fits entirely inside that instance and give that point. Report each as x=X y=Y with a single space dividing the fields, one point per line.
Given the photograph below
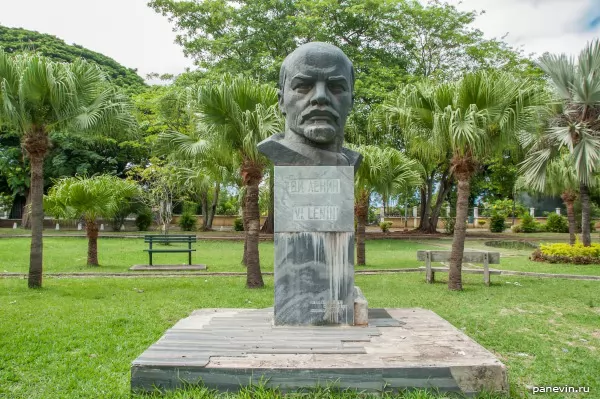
x=314 y=198
x=314 y=278
x=424 y=352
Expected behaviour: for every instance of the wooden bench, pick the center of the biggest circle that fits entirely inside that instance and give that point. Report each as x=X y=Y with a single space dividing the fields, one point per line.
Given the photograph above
x=167 y=240
x=486 y=258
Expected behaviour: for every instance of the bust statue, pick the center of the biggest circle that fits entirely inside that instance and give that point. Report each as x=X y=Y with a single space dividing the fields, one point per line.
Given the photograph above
x=316 y=84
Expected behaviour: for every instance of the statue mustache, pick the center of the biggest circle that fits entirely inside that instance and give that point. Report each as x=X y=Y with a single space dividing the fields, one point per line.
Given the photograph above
x=328 y=112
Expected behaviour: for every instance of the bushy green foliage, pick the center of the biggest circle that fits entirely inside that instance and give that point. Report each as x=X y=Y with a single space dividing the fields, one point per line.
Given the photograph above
x=566 y=253
x=505 y=207
x=385 y=226
x=17 y=40
x=529 y=225
x=449 y=225
x=144 y=219
x=238 y=224
x=497 y=223
x=557 y=224
x=187 y=221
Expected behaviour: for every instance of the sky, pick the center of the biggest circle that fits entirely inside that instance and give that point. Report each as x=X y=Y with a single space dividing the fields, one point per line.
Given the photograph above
x=137 y=37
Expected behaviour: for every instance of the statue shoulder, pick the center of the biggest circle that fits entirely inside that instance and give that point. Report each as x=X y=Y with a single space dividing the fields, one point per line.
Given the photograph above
x=354 y=158
x=276 y=149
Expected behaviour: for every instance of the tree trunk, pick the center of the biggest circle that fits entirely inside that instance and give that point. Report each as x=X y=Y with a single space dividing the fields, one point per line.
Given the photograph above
x=26 y=216
x=569 y=198
x=445 y=186
x=36 y=145
x=460 y=227
x=204 y=204
x=91 y=228
x=213 y=208
x=361 y=211
x=251 y=176
x=268 y=226
x=584 y=194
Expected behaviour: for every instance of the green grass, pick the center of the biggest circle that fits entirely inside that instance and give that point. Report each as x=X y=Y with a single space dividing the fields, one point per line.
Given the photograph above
x=76 y=338
x=69 y=254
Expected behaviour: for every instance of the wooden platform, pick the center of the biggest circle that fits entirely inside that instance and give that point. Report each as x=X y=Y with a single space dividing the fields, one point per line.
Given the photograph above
x=170 y=268
x=226 y=349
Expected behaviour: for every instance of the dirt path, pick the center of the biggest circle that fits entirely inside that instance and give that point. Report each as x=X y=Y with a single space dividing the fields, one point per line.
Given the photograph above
x=242 y=274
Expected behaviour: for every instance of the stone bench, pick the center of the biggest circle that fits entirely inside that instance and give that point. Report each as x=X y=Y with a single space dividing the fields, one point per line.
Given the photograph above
x=483 y=257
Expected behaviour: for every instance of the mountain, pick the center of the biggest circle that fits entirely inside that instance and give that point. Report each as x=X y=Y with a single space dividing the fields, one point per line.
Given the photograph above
x=15 y=40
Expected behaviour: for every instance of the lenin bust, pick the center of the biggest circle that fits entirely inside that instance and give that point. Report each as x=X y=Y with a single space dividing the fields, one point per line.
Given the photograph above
x=316 y=84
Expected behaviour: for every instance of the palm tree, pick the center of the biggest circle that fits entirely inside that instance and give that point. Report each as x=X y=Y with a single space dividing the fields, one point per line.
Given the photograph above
x=89 y=198
x=560 y=179
x=393 y=118
x=575 y=125
x=38 y=96
x=472 y=118
x=385 y=171
x=233 y=117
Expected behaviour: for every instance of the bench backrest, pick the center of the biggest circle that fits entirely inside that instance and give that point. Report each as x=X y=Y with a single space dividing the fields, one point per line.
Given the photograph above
x=171 y=238
x=468 y=256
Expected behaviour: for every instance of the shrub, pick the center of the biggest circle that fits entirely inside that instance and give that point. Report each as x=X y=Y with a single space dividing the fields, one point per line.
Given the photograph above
x=557 y=224
x=238 y=224
x=187 y=221
x=385 y=226
x=481 y=222
x=516 y=228
x=144 y=219
x=497 y=223
x=565 y=253
x=449 y=225
x=529 y=225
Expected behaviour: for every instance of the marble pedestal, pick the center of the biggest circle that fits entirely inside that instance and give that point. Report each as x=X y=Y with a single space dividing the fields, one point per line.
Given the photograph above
x=314 y=245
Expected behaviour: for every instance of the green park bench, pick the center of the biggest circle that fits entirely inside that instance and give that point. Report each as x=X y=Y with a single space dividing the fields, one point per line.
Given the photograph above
x=484 y=257
x=167 y=240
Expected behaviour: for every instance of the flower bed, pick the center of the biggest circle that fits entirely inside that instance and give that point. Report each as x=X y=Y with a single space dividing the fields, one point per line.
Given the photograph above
x=565 y=253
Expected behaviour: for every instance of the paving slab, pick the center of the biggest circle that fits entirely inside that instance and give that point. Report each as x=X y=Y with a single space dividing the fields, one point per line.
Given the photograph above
x=226 y=349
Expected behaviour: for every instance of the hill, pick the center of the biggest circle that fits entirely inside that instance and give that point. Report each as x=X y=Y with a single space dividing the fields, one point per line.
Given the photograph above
x=14 y=40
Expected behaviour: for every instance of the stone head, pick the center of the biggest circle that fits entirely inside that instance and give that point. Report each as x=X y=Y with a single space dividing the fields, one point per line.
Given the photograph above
x=316 y=83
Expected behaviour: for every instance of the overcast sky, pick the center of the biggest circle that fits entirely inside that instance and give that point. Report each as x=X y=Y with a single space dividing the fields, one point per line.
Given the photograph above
x=137 y=37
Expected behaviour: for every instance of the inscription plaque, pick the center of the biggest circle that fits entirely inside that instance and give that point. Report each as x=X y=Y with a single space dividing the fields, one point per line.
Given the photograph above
x=314 y=198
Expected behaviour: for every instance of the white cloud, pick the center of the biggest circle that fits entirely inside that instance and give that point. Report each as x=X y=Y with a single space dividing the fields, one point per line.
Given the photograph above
x=536 y=26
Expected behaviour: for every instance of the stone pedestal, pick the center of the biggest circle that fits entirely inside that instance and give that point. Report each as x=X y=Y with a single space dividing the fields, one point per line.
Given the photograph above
x=314 y=245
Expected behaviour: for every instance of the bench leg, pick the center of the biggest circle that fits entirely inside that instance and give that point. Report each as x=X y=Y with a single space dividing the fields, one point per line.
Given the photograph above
x=150 y=255
x=190 y=258
x=486 y=270
x=429 y=274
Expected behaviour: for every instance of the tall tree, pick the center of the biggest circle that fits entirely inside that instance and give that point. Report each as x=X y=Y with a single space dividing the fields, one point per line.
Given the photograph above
x=574 y=125
x=39 y=96
x=560 y=179
x=233 y=117
x=383 y=171
x=472 y=118
x=89 y=198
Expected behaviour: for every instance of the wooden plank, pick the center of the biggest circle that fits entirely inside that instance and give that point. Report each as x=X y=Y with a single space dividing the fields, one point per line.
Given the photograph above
x=467 y=271
x=468 y=256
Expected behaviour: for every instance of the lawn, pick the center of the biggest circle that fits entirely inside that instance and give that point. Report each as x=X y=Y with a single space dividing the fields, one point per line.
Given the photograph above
x=69 y=254
x=76 y=338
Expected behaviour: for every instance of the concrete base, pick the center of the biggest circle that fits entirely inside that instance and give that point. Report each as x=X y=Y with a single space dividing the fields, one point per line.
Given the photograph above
x=170 y=268
x=400 y=349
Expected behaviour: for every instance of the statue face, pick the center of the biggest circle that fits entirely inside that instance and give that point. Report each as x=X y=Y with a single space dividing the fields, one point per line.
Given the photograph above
x=317 y=94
